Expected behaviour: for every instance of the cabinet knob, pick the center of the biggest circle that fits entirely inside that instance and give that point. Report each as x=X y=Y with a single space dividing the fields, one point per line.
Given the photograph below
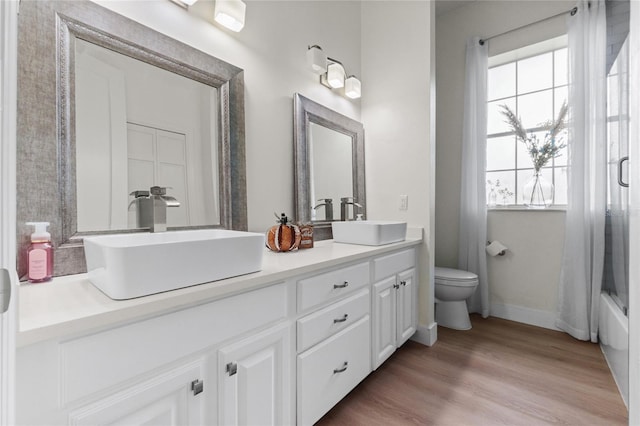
x=343 y=319
x=232 y=368
x=403 y=283
x=396 y=286
x=341 y=370
x=343 y=285
x=197 y=386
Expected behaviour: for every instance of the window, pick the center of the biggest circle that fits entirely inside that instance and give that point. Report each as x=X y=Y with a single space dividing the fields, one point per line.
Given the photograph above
x=534 y=86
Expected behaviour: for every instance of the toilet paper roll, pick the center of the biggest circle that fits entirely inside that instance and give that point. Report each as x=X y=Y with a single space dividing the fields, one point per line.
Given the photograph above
x=496 y=248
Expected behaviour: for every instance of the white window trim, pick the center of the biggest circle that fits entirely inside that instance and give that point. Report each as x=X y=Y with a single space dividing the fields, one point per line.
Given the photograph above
x=521 y=53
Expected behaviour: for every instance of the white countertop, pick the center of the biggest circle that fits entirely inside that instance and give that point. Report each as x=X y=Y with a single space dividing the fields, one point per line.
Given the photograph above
x=69 y=305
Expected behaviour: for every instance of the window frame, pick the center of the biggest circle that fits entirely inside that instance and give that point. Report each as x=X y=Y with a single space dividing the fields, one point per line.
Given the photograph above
x=513 y=57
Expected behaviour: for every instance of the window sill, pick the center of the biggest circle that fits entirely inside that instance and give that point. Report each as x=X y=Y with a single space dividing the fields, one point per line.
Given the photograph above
x=519 y=208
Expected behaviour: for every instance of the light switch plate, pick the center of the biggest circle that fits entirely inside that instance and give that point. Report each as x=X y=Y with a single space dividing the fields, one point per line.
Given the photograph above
x=404 y=202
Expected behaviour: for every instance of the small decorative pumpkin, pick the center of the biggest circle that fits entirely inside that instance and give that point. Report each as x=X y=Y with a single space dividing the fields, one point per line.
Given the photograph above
x=284 y=236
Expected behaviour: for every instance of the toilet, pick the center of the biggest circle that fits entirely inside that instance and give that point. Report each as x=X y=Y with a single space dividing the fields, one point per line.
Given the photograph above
x=452 y=288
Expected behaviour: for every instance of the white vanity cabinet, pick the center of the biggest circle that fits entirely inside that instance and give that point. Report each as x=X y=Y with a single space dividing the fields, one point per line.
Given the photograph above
x=394 y=303
x=162 y=370
x=334 y=342
x=275 y=348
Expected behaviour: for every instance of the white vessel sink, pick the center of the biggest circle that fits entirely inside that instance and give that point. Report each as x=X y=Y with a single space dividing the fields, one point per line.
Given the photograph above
x=125 y=266
x=369 y=232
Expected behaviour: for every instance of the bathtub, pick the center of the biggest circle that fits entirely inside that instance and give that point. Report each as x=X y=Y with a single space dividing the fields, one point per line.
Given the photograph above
x=613 y=332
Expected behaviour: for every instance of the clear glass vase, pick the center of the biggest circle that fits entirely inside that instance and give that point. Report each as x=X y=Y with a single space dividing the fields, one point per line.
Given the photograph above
x=493 y=198
x=538 y=192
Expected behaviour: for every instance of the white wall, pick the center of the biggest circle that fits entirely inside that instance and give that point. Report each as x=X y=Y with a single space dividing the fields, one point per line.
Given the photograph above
x=396 y=112
x=524 y=285
x=524 y=282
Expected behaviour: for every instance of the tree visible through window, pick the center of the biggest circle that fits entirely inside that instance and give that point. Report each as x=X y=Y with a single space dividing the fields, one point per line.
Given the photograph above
x=535 y=89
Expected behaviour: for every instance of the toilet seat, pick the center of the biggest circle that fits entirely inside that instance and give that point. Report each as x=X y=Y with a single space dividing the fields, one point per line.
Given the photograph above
x=454 y=277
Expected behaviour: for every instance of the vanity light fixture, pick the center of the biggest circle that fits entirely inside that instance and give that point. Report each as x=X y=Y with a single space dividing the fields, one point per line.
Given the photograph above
x=332 y=73
x=184 y=3
x=352 y=87
x=230 y=14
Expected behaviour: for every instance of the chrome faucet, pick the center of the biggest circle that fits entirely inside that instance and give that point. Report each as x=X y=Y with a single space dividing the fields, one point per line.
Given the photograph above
x=328 y=208
x=151 y=208
x=344 y=208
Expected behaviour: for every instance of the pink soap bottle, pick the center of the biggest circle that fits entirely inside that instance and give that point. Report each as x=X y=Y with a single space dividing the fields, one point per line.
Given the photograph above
x=40 y=254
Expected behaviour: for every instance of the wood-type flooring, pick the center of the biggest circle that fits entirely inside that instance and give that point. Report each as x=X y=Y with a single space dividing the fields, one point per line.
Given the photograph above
x=498 y=373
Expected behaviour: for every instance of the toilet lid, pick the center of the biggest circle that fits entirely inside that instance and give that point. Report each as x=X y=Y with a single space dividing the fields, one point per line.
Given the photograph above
x=454 y=276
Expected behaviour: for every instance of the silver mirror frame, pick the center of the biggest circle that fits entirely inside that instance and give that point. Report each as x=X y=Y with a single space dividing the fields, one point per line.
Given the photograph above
x=46 y=184
x=306 y=111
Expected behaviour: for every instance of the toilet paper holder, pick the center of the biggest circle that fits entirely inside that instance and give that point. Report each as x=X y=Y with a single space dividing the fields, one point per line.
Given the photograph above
x=502 y=252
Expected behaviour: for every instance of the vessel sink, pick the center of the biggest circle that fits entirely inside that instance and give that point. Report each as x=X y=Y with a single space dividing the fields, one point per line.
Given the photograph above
x=369 y=232
x=125 y=266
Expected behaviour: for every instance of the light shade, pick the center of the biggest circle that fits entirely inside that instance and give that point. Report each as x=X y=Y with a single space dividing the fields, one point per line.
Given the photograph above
x=230 y=13
x=335 y=75
x=352 y=87
x=316 y=59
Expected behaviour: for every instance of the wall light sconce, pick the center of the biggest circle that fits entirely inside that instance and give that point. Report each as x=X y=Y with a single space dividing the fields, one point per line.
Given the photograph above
x=332 y=73
x=184 y=3
x=335 y=75
x=352 y=87
x=230 y=14
x=317 y=59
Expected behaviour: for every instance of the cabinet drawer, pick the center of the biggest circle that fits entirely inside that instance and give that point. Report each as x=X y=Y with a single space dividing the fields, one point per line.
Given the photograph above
x=392 y=264
x=321 y=288
x=328 y=371
x=321 y=324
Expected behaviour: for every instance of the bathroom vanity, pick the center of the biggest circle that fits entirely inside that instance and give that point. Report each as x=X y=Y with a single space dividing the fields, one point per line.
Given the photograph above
x=280 y=346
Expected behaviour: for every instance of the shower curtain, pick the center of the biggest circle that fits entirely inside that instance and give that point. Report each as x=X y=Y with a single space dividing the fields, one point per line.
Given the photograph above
x=583 y=258
x=473 y=202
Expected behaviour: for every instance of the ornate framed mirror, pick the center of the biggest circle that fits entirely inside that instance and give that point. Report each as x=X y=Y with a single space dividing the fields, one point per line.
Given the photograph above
x=87 y=136
x=329 y=166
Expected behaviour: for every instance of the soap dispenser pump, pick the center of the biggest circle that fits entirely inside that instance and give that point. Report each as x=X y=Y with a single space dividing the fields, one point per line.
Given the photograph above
x=40 y=254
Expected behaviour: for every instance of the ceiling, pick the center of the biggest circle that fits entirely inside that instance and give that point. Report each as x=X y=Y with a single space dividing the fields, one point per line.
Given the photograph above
x=445 y=6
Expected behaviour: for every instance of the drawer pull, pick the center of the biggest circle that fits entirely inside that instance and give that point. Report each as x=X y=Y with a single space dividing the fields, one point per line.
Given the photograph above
x=343 y=285
x=232 y=368
x=197 y=386
x=343 y=319
x=341 y=370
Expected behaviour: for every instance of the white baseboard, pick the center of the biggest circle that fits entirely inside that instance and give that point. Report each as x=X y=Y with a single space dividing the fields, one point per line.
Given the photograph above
x=529 y=316
x=427 y=335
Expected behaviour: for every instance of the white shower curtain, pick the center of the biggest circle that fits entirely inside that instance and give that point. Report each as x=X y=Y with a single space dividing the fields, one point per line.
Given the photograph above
x=473 y=202
x=583 y=259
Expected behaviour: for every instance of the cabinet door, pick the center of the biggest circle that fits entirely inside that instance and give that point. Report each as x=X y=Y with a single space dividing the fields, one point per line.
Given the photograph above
x=166 y=400
x=384 y=328
x=406 y=307
x=254 y=376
